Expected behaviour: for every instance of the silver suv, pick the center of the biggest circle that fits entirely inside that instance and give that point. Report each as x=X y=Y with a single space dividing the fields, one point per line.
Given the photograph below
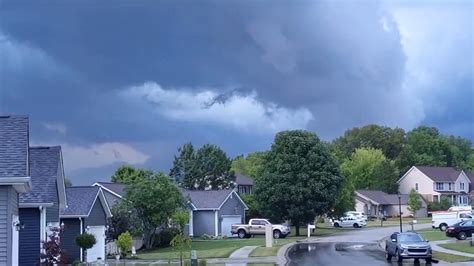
x=409 y=245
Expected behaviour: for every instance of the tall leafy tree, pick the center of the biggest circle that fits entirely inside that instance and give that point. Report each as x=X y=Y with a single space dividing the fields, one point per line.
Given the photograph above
x=368 y=168
x=184 y=170
x=301 y=179
x=127 y=174
x=213 y=168
x=250 y=165
x=207 y=168
x=154 y=198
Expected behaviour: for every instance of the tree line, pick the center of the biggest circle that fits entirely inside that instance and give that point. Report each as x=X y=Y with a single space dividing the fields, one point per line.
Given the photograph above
x=300 y=176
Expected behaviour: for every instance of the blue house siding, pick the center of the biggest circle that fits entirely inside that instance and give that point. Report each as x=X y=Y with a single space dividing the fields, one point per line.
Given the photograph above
x=232 y=206
x=52 y=213
x=203 y=222
x=30 y=236
x=5 y=244
x=97 y=215
x=72 y=228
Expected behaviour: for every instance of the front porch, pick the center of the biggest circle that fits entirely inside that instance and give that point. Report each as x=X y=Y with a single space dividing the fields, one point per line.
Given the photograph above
x=455 y=198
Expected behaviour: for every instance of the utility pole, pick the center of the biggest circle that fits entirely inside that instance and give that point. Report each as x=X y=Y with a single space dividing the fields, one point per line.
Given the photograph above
x=400 y=211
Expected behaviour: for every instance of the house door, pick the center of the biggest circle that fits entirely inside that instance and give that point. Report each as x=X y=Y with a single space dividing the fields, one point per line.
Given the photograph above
x=227 y=222
x=15 y=238
x=98 y=250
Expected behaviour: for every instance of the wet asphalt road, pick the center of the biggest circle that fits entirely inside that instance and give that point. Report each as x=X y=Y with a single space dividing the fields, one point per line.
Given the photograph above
x=354 y=254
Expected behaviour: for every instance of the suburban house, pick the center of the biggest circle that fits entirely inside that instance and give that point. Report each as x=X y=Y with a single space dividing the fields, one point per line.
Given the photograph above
x=376 y=203
x=14 y=179
x=87 y=211
x=436 y=182
x=210 y=211
x=40 y=207
x=244 y=184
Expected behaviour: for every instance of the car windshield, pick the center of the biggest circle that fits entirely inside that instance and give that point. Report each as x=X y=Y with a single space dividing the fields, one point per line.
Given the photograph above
x=409 y=238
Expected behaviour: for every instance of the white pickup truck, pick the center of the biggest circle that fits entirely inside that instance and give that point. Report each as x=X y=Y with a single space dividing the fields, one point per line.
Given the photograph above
x=444 y=219
x=257 y=227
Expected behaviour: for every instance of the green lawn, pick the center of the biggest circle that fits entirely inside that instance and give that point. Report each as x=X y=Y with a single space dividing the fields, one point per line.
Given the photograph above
x=450 y=257
x=213 y=248
x=464 y=246
x=433 y=234
x=396 y=221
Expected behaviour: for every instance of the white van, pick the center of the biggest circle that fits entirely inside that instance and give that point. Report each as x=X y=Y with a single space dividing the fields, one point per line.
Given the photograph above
x=442 y=220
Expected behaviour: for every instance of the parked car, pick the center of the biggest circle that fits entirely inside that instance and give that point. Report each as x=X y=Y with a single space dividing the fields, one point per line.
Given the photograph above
x=349 y=221
x=257 y=227
x=442 y=220
x=408 y=245
x=359 y=215
x=461 y=230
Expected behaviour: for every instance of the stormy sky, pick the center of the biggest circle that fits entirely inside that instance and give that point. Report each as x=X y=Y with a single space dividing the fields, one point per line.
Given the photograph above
x=117 y=82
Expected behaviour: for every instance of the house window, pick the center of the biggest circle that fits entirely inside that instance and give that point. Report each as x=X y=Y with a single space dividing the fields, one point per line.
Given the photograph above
x=416 y=187
x=439 y=186
x=435 y=198
x=450 y=186
x=461 y=186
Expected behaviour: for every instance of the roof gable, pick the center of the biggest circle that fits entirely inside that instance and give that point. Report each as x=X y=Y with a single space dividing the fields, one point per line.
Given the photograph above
x=207 y=199
x=383 y=198
x=14 y=142
x=115 y=188
x=440 y=174
x=80 y=200
x=44 y=164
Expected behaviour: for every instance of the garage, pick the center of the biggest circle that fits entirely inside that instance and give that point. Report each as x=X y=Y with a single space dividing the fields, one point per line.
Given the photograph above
x=226 y=223
x=98 y=250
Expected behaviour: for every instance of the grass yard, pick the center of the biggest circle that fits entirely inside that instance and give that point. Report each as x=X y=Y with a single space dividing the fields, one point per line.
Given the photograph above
x=396 y=221
x=213 y=248
x=433 y=234
x=464 y=246
x=450 y=257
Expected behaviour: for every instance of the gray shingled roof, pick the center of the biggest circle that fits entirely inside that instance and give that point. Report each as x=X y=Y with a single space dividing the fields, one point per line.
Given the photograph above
x=470 y=175
x=243 y=180
x=80 y=200
x=115 y=187
x=384 y=198
x=43 y=163
x=13 y=146
x=207 y=199
x=440 y=174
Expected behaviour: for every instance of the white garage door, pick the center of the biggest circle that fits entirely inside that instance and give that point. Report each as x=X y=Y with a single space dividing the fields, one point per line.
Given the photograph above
x=227 y=222
x=98 y=250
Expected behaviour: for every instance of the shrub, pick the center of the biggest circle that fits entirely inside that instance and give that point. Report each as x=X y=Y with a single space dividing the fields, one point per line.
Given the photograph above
x=206 y=237
x=124 y=242
x=85 y=241
x=202 y=262
x=164 y=237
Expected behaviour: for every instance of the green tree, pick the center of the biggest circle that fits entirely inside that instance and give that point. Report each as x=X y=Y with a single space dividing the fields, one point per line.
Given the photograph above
x=390 y=141
x=345 y=202
x=414 y=202
x=253 y=211
x=127 y=174
x=301 y=179
x=206 y=168
x=250 y=165
x=368 y=168
x=123 y=219
x=85 y=241
x=184 y=170
x=181 y=242
x=124 y=242
x=155 y=199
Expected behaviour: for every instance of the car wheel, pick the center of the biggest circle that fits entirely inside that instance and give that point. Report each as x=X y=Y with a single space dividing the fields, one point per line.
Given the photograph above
x=387 y=255
x=462 y=235
x=241 y=233
x=399 y=258
x=248 y=236
x=355 y=225
x=443 y=227
x=336 y=224
x=276 y=234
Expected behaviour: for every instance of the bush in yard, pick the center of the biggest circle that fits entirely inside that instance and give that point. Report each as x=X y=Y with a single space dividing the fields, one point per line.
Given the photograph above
x=52 y=252
x=202 y=263
x=85 y=241
x=206 y=237
x=124 y=242
x=164 y=237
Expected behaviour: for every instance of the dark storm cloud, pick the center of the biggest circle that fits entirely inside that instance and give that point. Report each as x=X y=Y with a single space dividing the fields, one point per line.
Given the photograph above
x=339 y=63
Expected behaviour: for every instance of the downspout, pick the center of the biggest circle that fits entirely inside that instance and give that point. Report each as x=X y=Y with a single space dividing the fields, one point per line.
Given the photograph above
x=216 y=220
x=81 y=231
x=191 y=223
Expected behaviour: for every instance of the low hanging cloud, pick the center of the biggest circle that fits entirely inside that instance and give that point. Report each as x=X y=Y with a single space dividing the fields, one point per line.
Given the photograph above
x=55 y=127
x=98 y=154
x=241 y=111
